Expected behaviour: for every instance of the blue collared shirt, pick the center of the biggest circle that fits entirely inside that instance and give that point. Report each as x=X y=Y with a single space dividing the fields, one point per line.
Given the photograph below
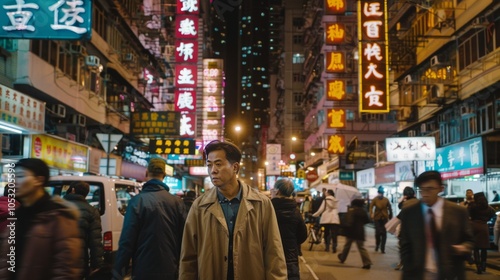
x=230 y=209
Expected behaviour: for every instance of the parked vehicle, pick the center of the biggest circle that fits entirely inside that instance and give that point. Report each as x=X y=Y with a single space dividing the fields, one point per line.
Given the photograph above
x=110 y=196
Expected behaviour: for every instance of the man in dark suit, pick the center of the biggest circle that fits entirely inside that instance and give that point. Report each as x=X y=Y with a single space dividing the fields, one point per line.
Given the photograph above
x=436 y=236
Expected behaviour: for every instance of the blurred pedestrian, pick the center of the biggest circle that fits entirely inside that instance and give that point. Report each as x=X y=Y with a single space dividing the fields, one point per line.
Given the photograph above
x=469 y=197
x=480 y=213
x=496 y=232
x=89 y=224
x=408 y=197
x=152 y=230
x=188 y=199
x=436 y=235
x=380 y=212
x=329 y=220
x=496 y=196
x=47 y=241
x=231 y=231
x=355 y=221
x=293 y=230
x=305 y=207
x=8 y=197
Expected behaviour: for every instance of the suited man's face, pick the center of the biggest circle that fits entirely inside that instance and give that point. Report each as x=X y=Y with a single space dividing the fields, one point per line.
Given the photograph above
x=429 y=192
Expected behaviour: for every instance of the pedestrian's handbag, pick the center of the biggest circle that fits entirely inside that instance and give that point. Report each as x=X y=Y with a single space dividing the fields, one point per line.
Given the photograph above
x=392 y=225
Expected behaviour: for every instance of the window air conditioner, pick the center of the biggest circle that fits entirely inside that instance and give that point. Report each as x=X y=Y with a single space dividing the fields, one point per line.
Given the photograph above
x=435 y=61
x=92 y=61
x=59 y=110
x=79 y=119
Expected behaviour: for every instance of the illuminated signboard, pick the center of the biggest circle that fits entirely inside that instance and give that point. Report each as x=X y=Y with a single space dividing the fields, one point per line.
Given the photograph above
x=60 y=153
x=373 y=56
x=410 y=148
x=334 y=33
x=335 y=90
x=19 y=109
x=335 y=7
x=336 y=118
x=36 y=19
x=186 y=51
x=335 y=62
x=188 y=6
x=336 y=144
x=212 y=100
x=194 y=162
x=188 y=124
x=155 y=123
x=185 y=101
x=172 y=146
x=185 y=76
x=273 y=158
x=186 y=27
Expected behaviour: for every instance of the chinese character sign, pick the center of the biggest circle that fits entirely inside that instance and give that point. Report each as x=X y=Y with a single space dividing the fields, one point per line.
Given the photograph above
x=410 y=148
x=334 y=33
x=335 y=90
x=19 y=109
x=373 y=58
x=188 y=7
x=35 y=19
x=186 y=27
x=213 y=116
x=156 y=123
x=335 y=7
x=336 y=144
x=172 y=146
x=186 y=51
x=336 y=118
x=59 y=153
x=185 y=101
x=335 y=62
x=186 y=76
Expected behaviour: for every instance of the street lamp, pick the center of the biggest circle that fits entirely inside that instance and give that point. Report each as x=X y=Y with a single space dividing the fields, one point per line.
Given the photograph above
x=238 y=130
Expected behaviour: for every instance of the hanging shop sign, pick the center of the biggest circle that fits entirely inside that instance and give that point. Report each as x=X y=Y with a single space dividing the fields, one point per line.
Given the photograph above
x=172 y=146
x=334 y=33
x=410 y=148
x=136 y=155
x=373 y=56
x=158 y=123
x=335 y=90
x=19 y=109
x=335 y=62
x=336 y=118
x=458 y=160
x=188 y=6
x=212 y=113
x=335 y=7
x=365 y=178
x=55 y=20
x=404 y=171
x=385 y=174
x=336 y=144
x=59 y=153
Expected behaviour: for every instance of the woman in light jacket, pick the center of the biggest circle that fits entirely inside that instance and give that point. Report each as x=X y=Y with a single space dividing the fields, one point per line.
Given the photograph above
x=329 y=219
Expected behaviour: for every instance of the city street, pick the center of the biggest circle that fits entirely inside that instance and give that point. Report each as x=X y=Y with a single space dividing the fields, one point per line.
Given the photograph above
x=326 y=266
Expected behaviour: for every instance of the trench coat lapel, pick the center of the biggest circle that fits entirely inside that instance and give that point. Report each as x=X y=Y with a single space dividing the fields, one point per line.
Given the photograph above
x=213 y=207
x=248 y=197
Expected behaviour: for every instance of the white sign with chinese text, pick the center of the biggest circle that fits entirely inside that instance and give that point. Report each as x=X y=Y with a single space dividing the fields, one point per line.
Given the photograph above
x=20 y=109
x=365 y=178
x=410 y=148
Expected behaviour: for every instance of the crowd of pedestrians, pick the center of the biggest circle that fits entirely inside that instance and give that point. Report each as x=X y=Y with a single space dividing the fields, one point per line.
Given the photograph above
x=232 y=231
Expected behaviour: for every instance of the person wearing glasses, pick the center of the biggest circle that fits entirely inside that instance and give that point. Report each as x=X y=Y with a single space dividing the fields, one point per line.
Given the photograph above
x=231 y=231
x=436 y=234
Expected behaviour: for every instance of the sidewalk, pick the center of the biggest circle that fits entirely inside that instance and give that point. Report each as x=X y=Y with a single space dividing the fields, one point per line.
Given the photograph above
x=493 y=260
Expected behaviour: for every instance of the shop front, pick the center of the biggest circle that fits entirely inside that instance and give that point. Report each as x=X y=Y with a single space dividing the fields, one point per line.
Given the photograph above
x=385 y=176
x=365 y=182
x=462 y=167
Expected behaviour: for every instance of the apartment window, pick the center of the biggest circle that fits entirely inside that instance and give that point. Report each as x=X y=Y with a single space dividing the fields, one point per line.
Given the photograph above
x=297 y=97
x=298 y=22
x=474 y=45
x=485 y=118
x=99 y=21
x=469 y=127
x=349 y=115
x=298 y=78
x=298 y=39
x=298 y=58
x=46 y=50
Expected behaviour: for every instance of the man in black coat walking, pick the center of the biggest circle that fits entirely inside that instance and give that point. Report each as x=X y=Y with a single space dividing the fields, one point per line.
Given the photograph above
x=90 y=227
x=293 y=230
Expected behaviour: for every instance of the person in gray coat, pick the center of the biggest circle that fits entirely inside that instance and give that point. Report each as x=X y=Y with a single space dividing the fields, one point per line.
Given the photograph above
x=152 y=230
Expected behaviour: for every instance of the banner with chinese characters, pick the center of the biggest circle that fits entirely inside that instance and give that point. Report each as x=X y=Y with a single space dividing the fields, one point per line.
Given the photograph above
x=186 y=27
x=37 y=19
x=159 y=123
x=458 y=160
x=335 y=7
x=336 y=118
x=19 y=109
x=365 y=178
x=186 y=51
x=60 y=153
x=185 y=100
x=172 y=146
x=335 y=89
x=188 y=124
x=336 y=144
x=373 y=56
x=335 y=62
x=186 y=76
x=410 y=148
x=273 y=158
x=188 y=6
x=334 y=33
x=212 y=100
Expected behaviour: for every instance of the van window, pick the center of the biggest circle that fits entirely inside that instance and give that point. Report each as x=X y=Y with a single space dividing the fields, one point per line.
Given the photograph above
x=124 y=194
x=93 y=198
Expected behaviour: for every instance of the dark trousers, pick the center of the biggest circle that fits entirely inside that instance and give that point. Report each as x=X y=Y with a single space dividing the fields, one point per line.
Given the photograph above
x=380 y=234
x=480 y=256
x=331 y=232
x=361 y=248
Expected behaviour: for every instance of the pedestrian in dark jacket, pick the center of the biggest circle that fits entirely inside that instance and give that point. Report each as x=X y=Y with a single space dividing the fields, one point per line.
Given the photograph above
x=188 y=199
x=480 y=213
x=90 y=227
x=293 y=230
x=47 y=240
x=355 y=220
x=152 y=230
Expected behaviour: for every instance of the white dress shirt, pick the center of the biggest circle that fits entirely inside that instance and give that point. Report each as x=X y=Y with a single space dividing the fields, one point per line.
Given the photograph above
x=431 y=254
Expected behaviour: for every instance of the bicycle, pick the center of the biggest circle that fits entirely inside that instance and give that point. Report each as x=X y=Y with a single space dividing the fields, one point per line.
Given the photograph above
x=315 y=235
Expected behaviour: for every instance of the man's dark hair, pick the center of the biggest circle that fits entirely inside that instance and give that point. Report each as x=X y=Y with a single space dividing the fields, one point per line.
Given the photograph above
x=37 y=166
x=80 y=187
x=191 y=194
x=428 y=176
x=330 y=192
x=233 y=153
x=495 y=192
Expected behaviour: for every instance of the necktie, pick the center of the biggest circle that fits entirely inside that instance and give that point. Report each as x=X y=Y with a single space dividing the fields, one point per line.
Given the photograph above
x=434 y=231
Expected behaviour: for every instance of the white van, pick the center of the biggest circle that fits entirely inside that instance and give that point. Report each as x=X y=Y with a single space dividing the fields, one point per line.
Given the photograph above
x=110 y=196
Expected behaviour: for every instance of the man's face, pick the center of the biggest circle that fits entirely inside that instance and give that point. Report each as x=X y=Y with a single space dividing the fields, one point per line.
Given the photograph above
x=27 y=183
x=429 y=192
x=469 y=194
x=221 y=171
